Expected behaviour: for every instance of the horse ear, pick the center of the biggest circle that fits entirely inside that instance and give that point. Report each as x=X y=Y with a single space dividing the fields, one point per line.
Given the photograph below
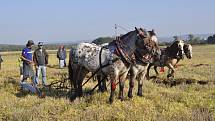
x=142 y=29
x=136 y=29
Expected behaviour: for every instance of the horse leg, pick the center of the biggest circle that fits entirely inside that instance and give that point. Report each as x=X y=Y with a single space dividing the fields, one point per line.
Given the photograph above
x=156 y=71
x=121 y=85
x=141 y=78
x=102 y=83
x=113 y=78
x=113 y=88
x=83 y=73
x=74 y=79
x=105 y=84
x=99 y=78
x=140 y=88
x=133 y=75
x=148 y=69
x=171 y=70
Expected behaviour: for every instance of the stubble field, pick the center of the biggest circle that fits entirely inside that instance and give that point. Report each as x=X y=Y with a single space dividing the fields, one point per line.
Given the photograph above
x=160 y=102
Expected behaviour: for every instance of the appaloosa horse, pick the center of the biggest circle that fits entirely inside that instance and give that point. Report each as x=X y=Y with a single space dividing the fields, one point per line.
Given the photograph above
x=114 y=61
x=170 y=56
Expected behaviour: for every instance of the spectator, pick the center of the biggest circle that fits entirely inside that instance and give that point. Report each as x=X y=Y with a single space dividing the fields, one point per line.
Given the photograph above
x=20 y=64
x=27 y=61
x=40 y=59
x=64 y=49
x=61 y=55
x=1 y=60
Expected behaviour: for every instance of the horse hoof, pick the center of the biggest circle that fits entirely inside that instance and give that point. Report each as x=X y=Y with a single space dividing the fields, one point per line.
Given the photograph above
x=110 y=100
x=140 y=94
x=122 y=99
x=130 y=95
x=169 y=75
x=72 y=98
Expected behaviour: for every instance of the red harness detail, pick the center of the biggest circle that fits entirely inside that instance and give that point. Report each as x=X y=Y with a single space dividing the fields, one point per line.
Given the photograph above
x=113 y=86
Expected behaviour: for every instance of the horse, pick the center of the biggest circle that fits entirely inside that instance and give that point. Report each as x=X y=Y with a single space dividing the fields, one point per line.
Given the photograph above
x=139 y=69
x=113 y=61
x=188 y=51
x=170 y=56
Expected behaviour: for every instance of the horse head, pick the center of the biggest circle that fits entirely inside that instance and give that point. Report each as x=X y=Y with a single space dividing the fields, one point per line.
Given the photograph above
x=151 y=51
x=139 y=38
x=153 y=35
x=177 y=49
x=188 y=50
x=181 y=48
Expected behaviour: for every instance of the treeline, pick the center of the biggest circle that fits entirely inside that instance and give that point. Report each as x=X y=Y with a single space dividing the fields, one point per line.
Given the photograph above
x=191 y=39
x=211 y=39
x=46 y=46
x=102 y=40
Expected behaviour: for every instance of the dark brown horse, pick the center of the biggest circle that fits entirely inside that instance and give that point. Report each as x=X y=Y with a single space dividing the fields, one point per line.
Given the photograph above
x=170 y=56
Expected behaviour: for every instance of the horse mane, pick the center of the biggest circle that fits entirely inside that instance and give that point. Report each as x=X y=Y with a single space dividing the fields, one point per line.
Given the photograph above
x=152 y=33
x=125 y=35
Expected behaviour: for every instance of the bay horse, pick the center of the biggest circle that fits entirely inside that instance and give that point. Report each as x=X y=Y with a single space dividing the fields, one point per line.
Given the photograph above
x=170 y=56
x=113 y=61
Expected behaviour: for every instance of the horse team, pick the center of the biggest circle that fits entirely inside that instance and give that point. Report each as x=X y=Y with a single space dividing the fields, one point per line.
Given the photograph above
x=133 y=53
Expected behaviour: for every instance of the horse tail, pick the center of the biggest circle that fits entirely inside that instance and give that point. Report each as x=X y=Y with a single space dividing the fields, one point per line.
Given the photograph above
x=70 y=67
x=70 y=72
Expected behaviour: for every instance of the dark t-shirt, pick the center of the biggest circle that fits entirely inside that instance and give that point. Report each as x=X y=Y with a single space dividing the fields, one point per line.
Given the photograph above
x=27 y=53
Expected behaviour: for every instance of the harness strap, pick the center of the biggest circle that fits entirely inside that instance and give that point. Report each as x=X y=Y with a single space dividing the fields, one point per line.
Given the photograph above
x=123 y=55
x=103 y=66
x=100 y=62
x=142 y=60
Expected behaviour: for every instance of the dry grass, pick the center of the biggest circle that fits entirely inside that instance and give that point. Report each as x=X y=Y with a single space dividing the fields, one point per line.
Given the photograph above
x=159 y=102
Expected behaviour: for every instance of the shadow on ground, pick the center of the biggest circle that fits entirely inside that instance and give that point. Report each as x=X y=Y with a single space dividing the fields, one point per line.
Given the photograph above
x=174 y=82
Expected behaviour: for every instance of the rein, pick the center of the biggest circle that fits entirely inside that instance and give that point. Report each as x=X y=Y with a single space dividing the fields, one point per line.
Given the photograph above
x=141 y=59
x=123 y=55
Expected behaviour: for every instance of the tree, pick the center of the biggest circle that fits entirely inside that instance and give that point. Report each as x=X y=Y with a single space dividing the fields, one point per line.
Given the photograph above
x=176 y=38
x=190 y=37
x=193 y=40
x=102 y=40
x=211 y=39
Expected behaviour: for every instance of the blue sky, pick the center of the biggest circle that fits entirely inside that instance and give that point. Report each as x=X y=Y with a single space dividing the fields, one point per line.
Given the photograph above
x=74 y=20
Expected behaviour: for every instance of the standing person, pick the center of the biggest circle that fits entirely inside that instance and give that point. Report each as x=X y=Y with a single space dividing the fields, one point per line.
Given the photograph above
x=27 y=59
x=61 y=55
x=64 y=52
x=40 y=59
x=1 y=60
x=20 y=64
